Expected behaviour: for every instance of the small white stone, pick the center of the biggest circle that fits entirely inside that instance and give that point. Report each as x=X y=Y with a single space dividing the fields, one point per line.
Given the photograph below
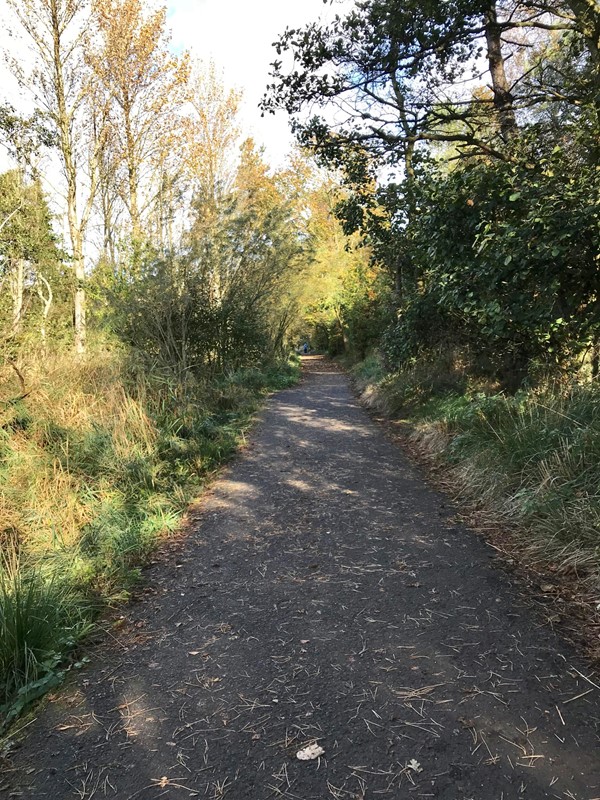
x=311 y=752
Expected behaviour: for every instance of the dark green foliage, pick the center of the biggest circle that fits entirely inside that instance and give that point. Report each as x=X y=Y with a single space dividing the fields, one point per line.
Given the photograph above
x=507 y=258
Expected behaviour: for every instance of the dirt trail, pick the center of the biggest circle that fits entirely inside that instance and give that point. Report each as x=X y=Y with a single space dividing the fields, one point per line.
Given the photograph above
x=326 y=595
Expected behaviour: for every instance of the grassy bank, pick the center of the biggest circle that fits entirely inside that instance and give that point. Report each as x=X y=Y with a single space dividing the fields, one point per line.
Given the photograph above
x=99 y=461
x=532 y=460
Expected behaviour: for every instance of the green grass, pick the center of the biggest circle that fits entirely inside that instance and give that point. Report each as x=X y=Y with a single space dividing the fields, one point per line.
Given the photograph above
x=535 y=458
x=402 y=392
x=96 y=468
x=41 y=618
x=368 y=372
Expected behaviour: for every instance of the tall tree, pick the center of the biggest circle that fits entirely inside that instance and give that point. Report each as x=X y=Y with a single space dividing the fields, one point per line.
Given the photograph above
x=392 y=76
x=391 y=70
x=383 y=77
x=334 y=260
x=213 y=133
x=57 y=31
x=145 y=86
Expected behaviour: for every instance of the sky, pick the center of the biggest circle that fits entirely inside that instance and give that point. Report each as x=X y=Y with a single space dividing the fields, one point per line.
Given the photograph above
x=237 y=35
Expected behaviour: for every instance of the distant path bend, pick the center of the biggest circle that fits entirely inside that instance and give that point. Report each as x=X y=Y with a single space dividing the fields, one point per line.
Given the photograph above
x=324 y=595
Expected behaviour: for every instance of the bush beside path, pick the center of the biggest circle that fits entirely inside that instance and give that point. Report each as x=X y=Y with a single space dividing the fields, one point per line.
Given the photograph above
x=324 y=596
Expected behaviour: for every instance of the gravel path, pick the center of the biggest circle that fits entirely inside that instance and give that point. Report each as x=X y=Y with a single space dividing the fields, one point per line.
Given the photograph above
x=324 y=595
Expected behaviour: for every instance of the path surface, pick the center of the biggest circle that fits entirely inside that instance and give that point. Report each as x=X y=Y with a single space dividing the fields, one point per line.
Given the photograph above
x=324 y=595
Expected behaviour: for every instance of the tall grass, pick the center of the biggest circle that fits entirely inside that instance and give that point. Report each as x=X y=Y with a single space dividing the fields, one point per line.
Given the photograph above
x=535 y=458
x=402 y=391
x=97 y=463
x=41 y=617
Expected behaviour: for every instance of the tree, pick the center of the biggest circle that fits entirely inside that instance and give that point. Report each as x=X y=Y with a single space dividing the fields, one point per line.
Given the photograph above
x=383 y=75
x=262 y=249
x=324 y=290
x=222 y=301
x=212 y=150
x=515 y=279
x=386 y=68
x=212 y=135
x=59 y=81
x=29 y=258
x=388 y=72
x=145 y=87
x=24 y=137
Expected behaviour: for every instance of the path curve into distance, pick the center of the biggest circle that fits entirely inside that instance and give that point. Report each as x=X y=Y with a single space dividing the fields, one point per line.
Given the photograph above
x=324 y=596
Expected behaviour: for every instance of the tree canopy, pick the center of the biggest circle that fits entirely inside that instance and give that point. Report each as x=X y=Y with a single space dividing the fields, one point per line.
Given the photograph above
x=468 y=135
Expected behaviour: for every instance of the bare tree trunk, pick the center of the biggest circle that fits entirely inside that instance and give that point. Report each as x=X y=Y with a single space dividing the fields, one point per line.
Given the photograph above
x=404 y=273
x=164 y=212
x=108 y=226
x=105 y=179
x=66 y=146
x=587 y=14
x=80 y=299
x=133 y=188
x=170 y=215
x=46 y=301
x=503 y=100
x=17 y=285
